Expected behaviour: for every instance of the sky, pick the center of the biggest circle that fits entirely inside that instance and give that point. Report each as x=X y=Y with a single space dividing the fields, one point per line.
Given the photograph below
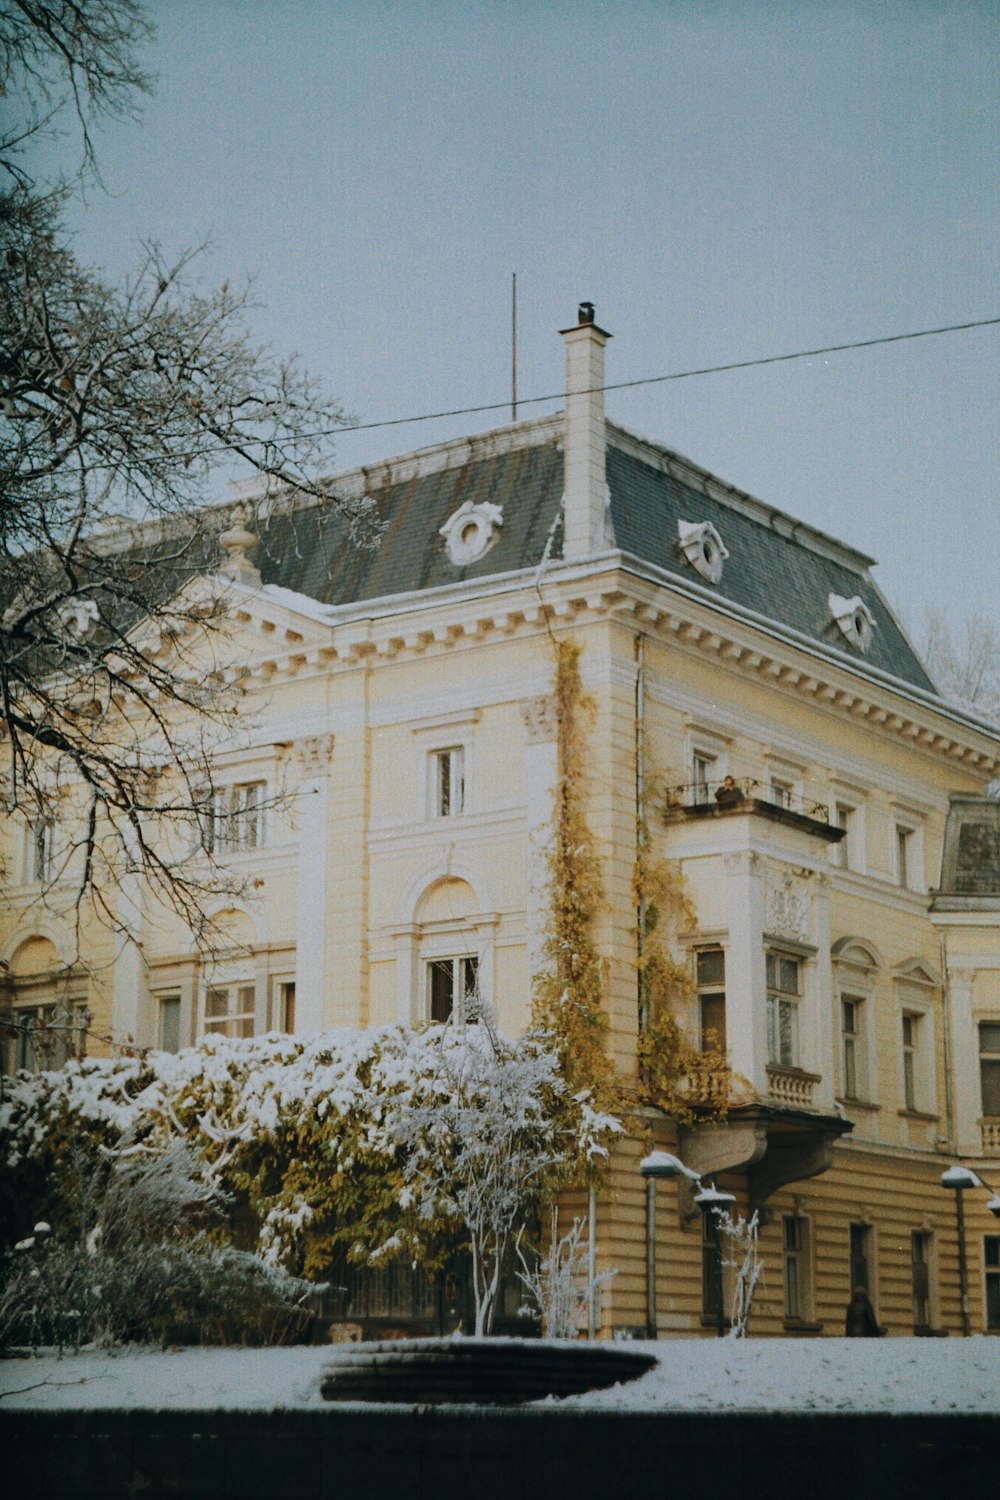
x=723 y=179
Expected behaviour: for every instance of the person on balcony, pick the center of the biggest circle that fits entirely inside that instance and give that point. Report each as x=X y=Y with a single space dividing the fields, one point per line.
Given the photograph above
x=728 y=794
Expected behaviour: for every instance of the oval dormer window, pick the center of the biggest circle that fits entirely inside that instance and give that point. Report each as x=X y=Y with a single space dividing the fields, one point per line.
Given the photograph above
x=854 y=620
x=470 y=531
x=703 y=547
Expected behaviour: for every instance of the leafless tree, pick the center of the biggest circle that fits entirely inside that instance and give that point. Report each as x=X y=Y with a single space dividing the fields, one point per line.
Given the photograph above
x=117 y=403
x=81 y=56
x=963 y=658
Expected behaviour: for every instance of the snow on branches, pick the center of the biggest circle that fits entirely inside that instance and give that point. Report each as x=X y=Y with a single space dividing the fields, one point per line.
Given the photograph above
x=392 y=1141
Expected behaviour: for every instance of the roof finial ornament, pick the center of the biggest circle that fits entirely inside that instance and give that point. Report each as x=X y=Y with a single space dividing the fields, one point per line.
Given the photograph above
x=585 y=312
x=238 y=542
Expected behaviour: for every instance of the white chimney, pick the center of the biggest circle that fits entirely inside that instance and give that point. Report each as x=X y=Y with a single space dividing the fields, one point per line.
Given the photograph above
x=584 y=468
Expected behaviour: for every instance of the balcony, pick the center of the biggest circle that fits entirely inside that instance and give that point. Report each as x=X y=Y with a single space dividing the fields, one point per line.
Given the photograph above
x=791 y=1088
x=714 y=799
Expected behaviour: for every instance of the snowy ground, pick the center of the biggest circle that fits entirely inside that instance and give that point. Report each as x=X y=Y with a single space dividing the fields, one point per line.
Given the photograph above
x=801 y=1375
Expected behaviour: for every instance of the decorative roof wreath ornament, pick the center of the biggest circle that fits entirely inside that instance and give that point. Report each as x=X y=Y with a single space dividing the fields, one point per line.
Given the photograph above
x=470 y=531
x=854 y=619
x=703 y=547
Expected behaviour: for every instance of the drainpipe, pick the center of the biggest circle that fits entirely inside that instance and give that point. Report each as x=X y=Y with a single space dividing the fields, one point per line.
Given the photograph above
x=949 y=1101
x=640 y=806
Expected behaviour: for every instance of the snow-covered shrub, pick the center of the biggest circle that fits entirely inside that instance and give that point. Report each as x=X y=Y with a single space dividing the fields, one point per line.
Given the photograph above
x=741 y=1255
x=337 y=1142
x=559 y=1283
x=135 y=1262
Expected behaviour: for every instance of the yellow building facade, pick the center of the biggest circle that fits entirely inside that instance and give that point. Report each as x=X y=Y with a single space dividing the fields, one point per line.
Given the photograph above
x=388 y=808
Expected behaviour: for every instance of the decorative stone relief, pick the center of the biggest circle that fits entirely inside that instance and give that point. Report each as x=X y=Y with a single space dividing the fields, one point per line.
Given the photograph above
x=742 y=862
x=788 y=910
x=471 y=530
x=539 y=715
x=315 y=753
x=703 y=547
x=854 y=619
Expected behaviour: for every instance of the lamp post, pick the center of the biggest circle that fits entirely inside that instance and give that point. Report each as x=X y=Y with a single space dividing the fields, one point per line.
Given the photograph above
x=658 y=1165
x=958 y=1179
x=713 y=1201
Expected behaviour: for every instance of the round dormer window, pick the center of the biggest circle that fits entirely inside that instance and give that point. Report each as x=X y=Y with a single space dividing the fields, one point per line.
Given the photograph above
x=703 y=547
x=470 y=531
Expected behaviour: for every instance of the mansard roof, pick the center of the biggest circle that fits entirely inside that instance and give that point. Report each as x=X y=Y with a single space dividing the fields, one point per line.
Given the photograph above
x=779 y=570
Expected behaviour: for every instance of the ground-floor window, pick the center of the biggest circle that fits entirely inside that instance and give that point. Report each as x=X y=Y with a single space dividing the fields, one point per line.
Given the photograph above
x=168 y=1023
x=452 y=983
x=860 y=1257
x=991 y=1259
x=229 y=1009
x=920 y=1273
x=795 y=1246
x=39 y=1037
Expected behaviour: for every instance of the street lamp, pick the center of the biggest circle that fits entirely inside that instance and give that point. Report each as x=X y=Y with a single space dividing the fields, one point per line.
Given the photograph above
x=657 y=1166
x=712 y=1200
x=958 y=1179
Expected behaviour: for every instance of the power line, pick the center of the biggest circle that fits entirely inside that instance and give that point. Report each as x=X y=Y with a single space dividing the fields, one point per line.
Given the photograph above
x=625 y=385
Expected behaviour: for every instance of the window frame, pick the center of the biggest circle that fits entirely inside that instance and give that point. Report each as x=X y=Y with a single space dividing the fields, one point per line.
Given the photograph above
x=171 y=998
x=229 y=814
x=223 y=1022
x=991 y=1283
x=450 y=758
x=461 y=990
x=710 y=990
x=989 y=1058
x=796 y=1265
x=17 y=1052
x=927 y=1264
x=861 y=1232
x=854 y=1045
x=792 y=1000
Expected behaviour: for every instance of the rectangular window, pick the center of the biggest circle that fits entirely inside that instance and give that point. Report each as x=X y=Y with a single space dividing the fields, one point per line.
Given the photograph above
x=844 y=818
x=795 y=1248
x=452 y=983
x=709 y=1264
x=904 y=837
x=38 y=851
x=989 y=1066
x=783 y=992
x=781 y=792
x=991 y=1261
x=235 y=818
x=920 y=1276
x=911 y=1035
x=169 y=1023
x=703 y=768
x=861 y=1249
x=852 y=1055
x=711 y=980
x=286 y=1006
x=229 y=1009
x=448 y=790
x=40 y=1037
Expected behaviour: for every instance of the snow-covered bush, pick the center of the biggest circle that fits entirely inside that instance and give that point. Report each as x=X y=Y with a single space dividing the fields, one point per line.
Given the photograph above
x=134 y=1262
x=559 y=1283
x=321 y=1144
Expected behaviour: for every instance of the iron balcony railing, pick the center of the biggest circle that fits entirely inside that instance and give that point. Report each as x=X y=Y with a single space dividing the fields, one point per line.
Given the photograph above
x=744 y=789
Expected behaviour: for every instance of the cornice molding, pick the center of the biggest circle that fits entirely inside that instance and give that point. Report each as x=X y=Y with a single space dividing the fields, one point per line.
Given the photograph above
x=605 y=588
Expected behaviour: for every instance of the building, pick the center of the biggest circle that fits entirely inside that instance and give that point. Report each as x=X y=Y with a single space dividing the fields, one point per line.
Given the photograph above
x=391 y=809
